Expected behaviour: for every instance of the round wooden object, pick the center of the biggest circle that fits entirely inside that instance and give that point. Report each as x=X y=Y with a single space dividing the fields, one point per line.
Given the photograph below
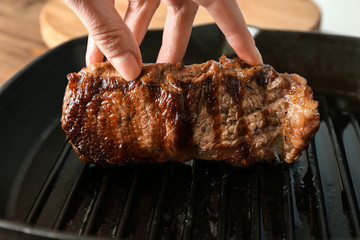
x=59 y=24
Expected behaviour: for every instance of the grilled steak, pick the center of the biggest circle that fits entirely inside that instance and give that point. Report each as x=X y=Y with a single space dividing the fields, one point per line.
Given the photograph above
x=224 y=110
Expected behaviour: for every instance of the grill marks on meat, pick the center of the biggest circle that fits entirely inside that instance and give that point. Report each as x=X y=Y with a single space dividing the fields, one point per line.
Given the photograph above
x=224 y=110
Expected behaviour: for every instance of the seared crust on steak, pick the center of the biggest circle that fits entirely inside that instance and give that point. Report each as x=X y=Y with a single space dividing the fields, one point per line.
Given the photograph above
x=224 y=110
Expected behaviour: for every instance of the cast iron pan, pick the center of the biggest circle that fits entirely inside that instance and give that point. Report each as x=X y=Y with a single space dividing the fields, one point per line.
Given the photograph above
x=46 y=192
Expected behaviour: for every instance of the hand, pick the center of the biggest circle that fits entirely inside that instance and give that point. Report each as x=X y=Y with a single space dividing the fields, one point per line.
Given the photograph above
x=118 y=39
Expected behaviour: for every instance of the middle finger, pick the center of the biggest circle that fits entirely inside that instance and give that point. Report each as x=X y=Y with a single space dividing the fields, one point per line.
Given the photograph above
x=177 y=29
x=138 y=16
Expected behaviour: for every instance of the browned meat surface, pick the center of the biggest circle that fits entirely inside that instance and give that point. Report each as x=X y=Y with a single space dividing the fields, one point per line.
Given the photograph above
x=224 y=110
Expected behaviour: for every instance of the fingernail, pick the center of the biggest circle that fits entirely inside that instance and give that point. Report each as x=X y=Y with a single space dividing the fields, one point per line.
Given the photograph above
x=127 y=65
x=258 y=56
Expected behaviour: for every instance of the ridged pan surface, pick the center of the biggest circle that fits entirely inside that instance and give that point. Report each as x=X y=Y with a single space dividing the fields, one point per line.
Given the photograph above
x=47 y=192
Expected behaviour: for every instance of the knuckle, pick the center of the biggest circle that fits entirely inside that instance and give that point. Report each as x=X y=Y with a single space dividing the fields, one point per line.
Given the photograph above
x=182 y=7
x=206 y=3
x=153 y=4
x=110 y=39
x=137 y=5
x=77 y=4
x=74 y=4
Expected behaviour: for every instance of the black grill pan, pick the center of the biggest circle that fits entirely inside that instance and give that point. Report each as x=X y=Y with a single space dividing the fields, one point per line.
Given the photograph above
x=46 y=192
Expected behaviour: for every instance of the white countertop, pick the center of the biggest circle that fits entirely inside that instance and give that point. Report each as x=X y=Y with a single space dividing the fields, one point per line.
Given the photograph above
x=340 y=17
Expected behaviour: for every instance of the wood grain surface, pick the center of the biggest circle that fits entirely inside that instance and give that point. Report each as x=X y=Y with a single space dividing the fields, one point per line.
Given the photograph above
x=20 y=39
x=60 y=24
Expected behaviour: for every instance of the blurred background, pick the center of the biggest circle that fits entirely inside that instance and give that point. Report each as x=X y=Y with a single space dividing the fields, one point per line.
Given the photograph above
x=340 y=17
x=29 y=28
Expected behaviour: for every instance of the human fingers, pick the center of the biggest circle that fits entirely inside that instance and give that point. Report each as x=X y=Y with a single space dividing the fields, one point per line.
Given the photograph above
x=177 y=30
x=110 y=34
x=138 y=16
x=230 y=20
x=93 y=53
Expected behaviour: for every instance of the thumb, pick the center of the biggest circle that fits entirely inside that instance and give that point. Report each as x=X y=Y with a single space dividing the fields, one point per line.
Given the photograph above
x=111 y=35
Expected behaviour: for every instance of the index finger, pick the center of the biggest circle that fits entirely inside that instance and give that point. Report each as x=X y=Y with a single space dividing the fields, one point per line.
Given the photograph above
x=111 y=35
x=230 y=20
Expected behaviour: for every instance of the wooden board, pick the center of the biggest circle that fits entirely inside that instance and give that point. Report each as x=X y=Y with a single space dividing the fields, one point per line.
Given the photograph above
x=59 y=24
x=20 y=39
